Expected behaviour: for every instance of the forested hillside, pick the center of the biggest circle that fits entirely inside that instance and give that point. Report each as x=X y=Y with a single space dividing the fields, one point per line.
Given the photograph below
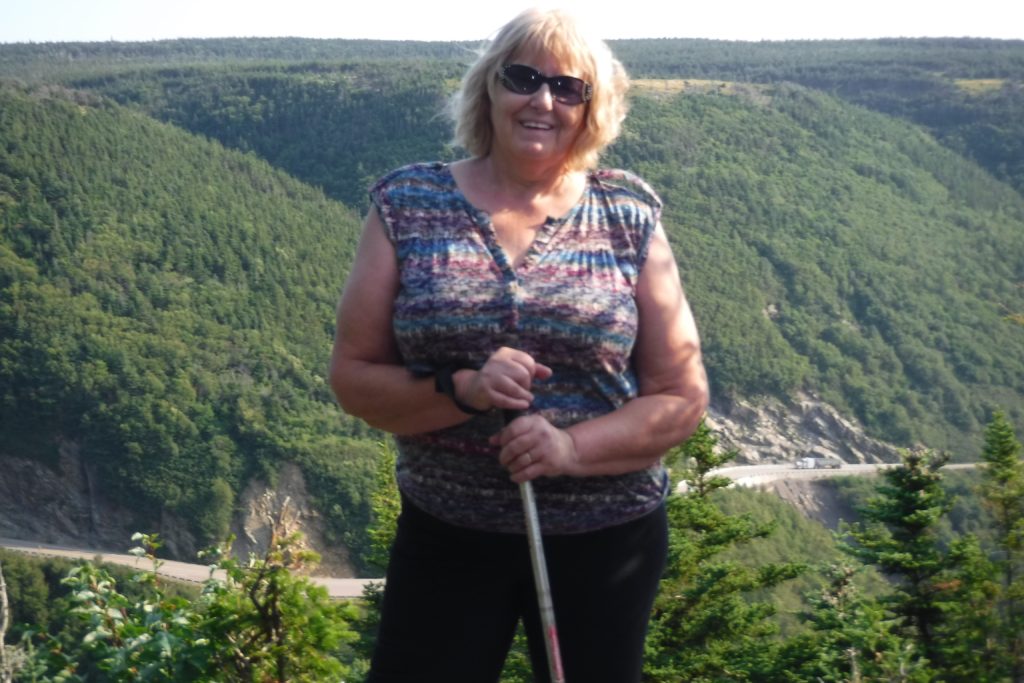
x=177 y=220
x=839 y=251
x=336 y=127
x=968 y=92
x=842 y=251
x=166 y=305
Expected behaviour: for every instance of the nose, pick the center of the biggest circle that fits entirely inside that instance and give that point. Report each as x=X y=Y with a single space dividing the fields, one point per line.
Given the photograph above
x=542 y=99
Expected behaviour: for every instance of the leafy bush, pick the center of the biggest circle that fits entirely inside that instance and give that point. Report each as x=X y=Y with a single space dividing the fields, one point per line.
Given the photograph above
x=254 y=621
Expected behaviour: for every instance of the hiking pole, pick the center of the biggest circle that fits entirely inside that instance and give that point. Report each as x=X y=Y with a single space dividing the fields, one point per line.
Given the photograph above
x=540 y=573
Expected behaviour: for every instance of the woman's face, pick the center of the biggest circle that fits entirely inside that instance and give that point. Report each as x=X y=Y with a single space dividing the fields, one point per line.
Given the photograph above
x=536 y=127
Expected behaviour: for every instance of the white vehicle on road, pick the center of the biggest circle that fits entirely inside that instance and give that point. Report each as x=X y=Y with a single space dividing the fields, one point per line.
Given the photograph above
x=819 y=462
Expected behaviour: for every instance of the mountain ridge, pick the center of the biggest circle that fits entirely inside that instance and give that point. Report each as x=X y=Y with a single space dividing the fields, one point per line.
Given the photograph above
x=171 y=299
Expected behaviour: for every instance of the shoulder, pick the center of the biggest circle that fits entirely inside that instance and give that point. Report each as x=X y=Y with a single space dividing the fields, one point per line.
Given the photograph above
x=421 y=172
x=632 y=209
x=404 y=196
x=625 y=187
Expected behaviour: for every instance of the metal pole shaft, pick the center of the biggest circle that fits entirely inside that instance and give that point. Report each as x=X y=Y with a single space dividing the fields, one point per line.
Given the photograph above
x=540 y=573
x=540 y=579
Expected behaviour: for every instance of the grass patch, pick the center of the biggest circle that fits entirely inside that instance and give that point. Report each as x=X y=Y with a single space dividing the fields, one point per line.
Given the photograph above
x=979 y=86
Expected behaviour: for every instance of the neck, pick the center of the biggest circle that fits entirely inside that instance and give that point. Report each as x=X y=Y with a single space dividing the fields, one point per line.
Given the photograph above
x=524 y=180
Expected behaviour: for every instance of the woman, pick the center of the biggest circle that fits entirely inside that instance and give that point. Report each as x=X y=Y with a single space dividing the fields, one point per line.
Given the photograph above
x=521 y=279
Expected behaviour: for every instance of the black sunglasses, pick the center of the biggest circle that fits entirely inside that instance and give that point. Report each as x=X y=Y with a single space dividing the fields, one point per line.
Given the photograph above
x=526 y=80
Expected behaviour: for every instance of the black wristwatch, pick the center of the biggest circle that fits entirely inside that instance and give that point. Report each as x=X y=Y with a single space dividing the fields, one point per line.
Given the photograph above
x=444 y=383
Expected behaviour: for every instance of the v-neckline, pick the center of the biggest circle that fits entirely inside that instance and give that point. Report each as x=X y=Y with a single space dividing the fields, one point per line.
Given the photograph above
x=541 y=239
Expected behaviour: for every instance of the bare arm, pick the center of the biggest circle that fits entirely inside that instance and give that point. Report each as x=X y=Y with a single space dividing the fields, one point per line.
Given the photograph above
x=366 y=370
x=672 y=396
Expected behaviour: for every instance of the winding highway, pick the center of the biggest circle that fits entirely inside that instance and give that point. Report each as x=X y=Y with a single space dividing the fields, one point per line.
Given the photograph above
x=182 y=571
x=755 y=475
x=742 y=475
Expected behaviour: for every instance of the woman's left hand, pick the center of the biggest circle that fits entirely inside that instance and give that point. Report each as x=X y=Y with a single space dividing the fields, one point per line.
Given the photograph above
x=532 y=447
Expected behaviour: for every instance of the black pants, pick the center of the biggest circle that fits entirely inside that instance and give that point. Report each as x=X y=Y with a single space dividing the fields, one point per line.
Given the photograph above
x=454 y=596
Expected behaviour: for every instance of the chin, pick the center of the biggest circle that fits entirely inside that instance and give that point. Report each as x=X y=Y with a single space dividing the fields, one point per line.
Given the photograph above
x=538 y=151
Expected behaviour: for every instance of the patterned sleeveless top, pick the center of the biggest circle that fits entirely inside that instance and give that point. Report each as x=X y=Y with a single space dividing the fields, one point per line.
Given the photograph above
x=571 y=304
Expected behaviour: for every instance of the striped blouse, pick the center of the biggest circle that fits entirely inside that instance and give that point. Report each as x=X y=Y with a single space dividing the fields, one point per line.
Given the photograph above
x=571 y=304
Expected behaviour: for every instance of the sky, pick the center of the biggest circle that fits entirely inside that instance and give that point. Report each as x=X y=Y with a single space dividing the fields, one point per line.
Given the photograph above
x=443 y=20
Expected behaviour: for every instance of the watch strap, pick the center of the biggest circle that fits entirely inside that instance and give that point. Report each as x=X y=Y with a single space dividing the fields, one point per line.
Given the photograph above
x=444 y=383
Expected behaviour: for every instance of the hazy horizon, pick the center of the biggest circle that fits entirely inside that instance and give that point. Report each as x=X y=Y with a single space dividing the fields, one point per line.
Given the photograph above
x=43 y=21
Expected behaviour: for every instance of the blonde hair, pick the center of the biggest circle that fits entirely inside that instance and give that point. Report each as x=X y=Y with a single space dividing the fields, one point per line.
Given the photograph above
x=560 y=34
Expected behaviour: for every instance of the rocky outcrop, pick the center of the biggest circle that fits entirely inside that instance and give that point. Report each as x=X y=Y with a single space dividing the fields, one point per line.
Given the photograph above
x=283 y=509
x=60 y=504
x=65 y=504
x=770 y=431
x=816 y=499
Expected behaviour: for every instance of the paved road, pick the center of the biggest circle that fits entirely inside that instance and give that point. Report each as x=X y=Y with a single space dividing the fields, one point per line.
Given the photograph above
x=742 y=475
x=755 y=475
x=183 y=571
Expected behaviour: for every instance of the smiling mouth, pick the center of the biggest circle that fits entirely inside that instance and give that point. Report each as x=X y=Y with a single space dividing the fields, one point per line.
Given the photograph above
x=532 y=125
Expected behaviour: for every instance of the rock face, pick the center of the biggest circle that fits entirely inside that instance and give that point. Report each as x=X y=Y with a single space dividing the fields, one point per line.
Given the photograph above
x=63 y=504
x=815 y=499
x=285 y=509
x=772 y=432
x=67 y=505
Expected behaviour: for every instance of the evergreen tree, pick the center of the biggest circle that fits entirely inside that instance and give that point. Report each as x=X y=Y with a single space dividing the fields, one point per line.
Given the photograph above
x=850 y=639
x=900 y=537
x=1003 y=492
x=705 y=626
x=385 y=506
x=968 y=634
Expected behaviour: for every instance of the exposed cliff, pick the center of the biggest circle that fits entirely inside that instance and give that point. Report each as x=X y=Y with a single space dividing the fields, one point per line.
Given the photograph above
x=816 y=499
x=67 y=505
x=772 y=432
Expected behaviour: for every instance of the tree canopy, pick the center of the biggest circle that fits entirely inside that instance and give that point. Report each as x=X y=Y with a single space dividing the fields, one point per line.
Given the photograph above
x=177 y=219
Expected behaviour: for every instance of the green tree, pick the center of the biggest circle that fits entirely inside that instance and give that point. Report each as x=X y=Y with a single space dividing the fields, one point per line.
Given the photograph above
x=850 y=638
x=385 y=505
x=7 y=667
x=969 y=631
x=1003 y=493
x=705 y=626
x=899 y=535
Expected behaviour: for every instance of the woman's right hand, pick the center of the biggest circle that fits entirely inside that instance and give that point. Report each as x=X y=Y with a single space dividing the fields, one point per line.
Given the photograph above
x=503 y=382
